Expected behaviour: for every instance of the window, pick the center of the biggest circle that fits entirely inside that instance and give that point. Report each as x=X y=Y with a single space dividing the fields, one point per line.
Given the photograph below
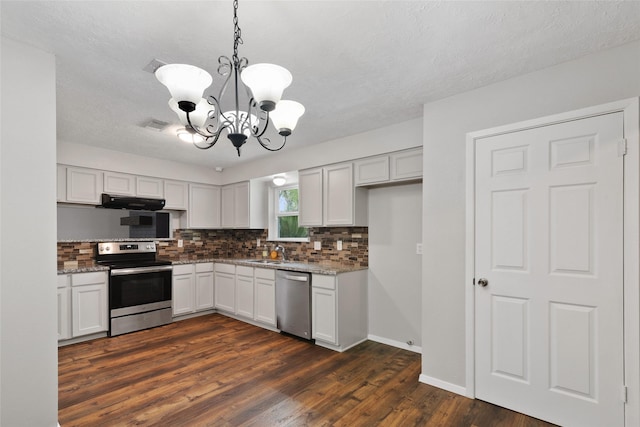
x=284 y=221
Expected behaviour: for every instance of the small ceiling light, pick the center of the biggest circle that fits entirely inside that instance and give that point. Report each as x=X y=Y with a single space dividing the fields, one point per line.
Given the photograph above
x=189 y=136
x=263 y=84
x=279 y=180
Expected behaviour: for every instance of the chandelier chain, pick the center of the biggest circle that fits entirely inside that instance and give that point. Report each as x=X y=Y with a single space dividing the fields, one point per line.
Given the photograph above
x=237 y=33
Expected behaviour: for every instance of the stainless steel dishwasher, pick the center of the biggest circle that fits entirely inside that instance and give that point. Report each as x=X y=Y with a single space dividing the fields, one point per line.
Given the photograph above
x=293 y=303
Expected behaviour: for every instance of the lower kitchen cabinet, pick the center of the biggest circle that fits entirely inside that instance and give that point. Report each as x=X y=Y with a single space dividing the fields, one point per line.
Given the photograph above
x=225 y=287
x=193 y=288
x=89 y=303
x=339 y=309
x=265 y=296
x=244 y=291
x=64 y=307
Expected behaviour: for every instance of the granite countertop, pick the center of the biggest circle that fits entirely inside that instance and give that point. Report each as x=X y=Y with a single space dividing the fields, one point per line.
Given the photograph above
x=329 y=268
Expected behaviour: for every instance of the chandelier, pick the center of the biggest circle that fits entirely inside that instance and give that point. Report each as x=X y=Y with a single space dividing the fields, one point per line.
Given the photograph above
x=205 y=120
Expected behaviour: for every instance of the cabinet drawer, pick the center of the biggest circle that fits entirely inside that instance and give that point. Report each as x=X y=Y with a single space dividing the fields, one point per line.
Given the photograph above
x=241 y=270
x=82 y=279
x=265 y=273
x=64 y=280
x=323 y=281
x=182 y=269
x=226 y=268
x=203 y=267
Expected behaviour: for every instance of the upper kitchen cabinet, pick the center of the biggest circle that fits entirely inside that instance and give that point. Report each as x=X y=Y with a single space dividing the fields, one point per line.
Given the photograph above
x=244 y=205
x=83 y=185
x=176 y=195
x=327 y=197
x=149 y=187
x=204 y=206
x=391 y=168
x=119 y=183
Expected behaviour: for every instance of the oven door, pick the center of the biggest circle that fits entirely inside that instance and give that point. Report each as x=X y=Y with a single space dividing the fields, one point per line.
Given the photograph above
x=139 y=290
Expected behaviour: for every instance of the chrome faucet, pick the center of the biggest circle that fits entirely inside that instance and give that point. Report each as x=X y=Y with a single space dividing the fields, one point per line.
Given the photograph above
x=279 y=248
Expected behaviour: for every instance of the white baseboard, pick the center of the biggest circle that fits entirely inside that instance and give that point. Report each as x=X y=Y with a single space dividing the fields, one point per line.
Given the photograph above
x=394 y=343
x=453 y=388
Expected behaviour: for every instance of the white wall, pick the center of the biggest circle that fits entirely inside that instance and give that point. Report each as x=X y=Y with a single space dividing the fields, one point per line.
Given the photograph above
x=595 y=79
x=384 y=140
x=100 y=158
x=395 y=270
x=28 y=309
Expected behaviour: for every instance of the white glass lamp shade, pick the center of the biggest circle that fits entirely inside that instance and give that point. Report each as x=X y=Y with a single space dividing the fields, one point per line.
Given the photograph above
x=267 y=82
x=285 y=116
x=279 y=180
x=185 y=82
x=198 y=117
x=189 y=137
x=243 y=124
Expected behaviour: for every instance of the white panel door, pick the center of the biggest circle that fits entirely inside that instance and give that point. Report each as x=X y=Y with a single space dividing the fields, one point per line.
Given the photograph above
x=549 y=228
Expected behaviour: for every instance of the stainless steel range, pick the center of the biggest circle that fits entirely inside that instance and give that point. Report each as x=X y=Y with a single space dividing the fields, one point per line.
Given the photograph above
x=139 y=286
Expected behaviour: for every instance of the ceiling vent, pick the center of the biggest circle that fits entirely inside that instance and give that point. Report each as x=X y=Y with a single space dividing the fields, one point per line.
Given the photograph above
x=157 y=125
x=152 y=66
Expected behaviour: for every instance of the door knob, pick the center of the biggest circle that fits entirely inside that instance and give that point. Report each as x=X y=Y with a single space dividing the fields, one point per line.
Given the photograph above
x=483 y=282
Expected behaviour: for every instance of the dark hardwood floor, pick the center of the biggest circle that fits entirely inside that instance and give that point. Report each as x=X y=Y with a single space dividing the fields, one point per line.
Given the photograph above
x=216 y=371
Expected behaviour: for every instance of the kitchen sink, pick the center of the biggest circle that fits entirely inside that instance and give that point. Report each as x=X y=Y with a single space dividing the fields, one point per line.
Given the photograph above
x=265 y=261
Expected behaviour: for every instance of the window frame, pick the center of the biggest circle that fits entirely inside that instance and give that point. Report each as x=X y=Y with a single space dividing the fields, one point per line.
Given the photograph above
x=274 y=214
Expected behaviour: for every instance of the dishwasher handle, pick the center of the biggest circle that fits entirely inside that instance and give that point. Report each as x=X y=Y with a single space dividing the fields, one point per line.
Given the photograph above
x=296 y=278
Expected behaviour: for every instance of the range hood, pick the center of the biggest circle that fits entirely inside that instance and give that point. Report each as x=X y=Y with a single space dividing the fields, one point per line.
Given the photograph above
x=131 y=203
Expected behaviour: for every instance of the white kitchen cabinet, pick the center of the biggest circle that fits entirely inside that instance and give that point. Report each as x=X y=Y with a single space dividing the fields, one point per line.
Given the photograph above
x=225 y=287
x=183 y=289
x=89 y=303
x=372 y=170
x=244 y=291
x=339 y=309
x=149 y=187
x=64 y=307
x=265 y=296
x=176 y=195
x=61 y=183
x=84 y=185
x=119 y=183
x=310 y=197
x=244 y=205
x=327 y=197
x=204 y=206
x=204 y=286
x=406 y=165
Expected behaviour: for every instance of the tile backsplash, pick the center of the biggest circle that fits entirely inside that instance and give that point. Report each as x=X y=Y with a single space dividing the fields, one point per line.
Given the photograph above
x=205 y=244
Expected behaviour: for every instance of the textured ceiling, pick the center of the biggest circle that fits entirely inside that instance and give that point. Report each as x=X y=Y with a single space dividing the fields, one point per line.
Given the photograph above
x=357 y=65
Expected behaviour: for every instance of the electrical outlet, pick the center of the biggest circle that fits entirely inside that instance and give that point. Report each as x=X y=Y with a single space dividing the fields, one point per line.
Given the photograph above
x=317 y=245
x=418 y=248
x=339 y=245
x=180 y=243
x=257 y=243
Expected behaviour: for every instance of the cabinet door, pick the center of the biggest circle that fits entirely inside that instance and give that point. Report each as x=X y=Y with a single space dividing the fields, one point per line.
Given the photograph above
x=227 y=207
x=175 y=195
x=323 y=315
x=84 y=185
x=241 y=205
x=182 y=291
x=310 y=197
x=406 y=165
x=204 y=290
x=64 y=313
x=119 y=183
x=265 y=301
x=225 y=291
x=61 y=183
x=149 y=187
x=338 y=194
x=89 y=308
x=371 y=171
x=204 y=206
x=244 y=296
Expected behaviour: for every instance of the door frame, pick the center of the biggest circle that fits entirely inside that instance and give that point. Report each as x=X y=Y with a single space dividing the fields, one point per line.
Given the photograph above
x=631 y=237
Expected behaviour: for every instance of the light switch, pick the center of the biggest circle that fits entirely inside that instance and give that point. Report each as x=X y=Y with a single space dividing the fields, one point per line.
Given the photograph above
x=317 y=245
x=180 y=243
x=339 y=245
x=257 y=243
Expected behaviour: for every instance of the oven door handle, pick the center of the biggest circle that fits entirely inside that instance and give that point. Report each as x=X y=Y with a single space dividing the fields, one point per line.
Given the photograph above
x=137 y=270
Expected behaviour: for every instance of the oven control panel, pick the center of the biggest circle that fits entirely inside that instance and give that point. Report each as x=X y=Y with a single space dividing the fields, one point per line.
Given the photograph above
x=126 y=247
